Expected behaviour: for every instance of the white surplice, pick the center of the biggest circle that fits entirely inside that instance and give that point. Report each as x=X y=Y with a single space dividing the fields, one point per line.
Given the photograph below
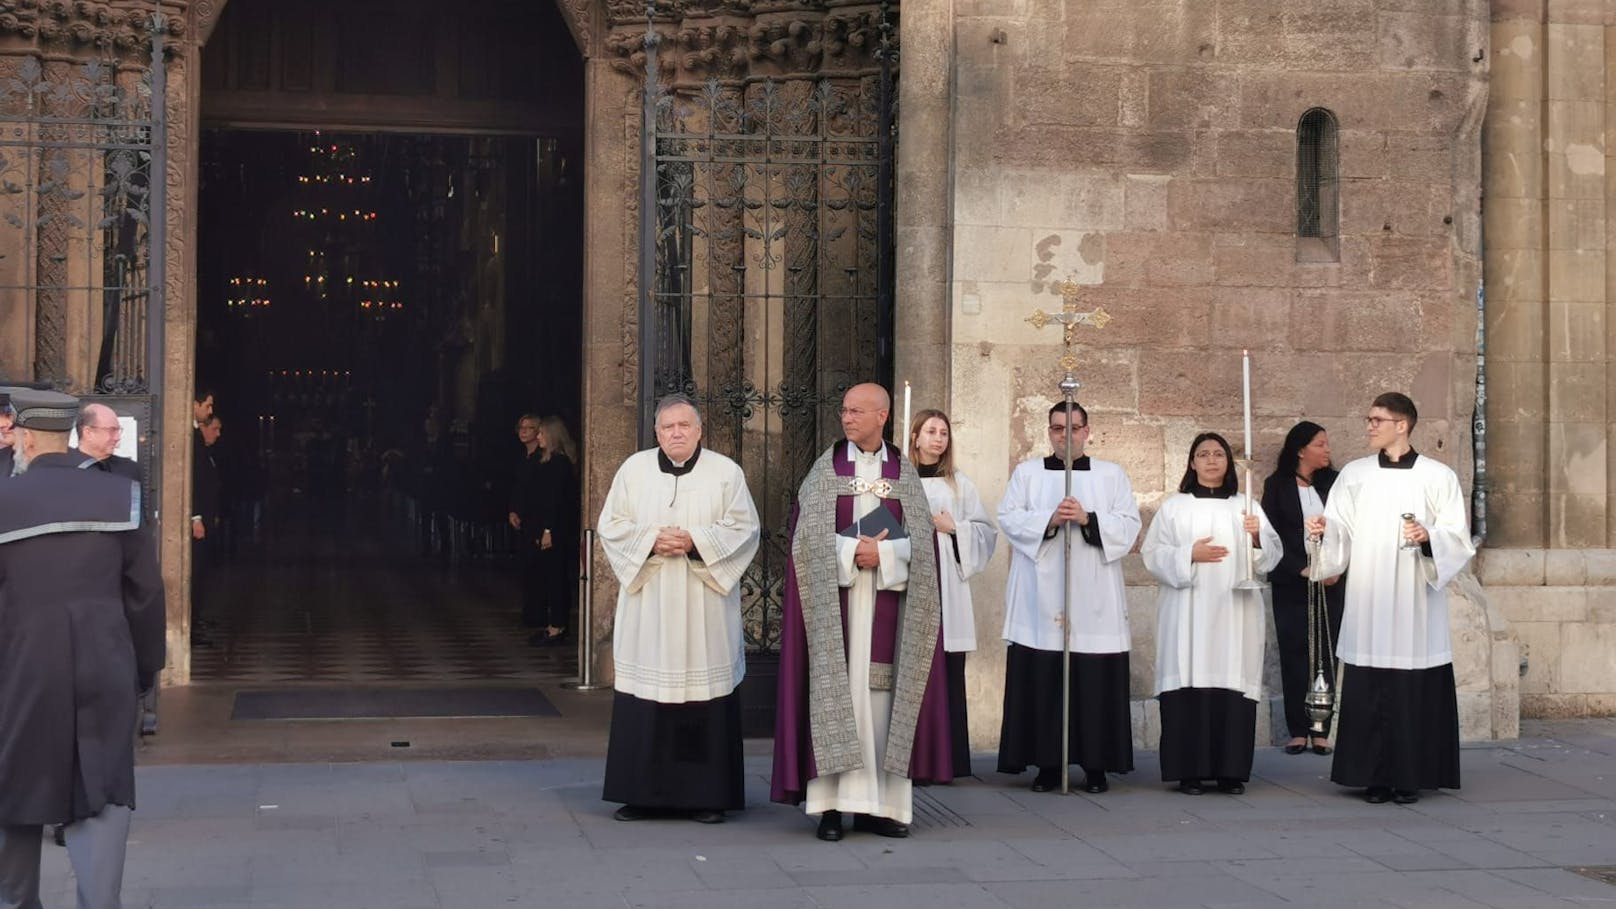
x=1033 y=592
x=1396 y=613
x=677 y=636
x=867 y=790
x=960 y=555
x=1208 y=634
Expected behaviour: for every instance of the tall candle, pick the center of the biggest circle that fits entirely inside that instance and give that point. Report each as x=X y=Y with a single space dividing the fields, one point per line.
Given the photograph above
x=903 y=433
x=1245 y=375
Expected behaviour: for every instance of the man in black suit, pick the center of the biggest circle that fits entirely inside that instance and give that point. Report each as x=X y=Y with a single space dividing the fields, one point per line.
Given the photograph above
x=81 y=634
x=206 y=498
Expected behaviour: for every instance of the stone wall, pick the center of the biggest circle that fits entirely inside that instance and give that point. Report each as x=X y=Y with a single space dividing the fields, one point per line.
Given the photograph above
x=1146 y=149
x=1549 y=186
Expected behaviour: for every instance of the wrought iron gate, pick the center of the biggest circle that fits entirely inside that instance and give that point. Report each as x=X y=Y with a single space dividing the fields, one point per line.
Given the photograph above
x=82 y=151
x=766 y=269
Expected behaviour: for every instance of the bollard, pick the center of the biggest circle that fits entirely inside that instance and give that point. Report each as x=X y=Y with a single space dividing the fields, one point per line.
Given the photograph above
x=586 y=619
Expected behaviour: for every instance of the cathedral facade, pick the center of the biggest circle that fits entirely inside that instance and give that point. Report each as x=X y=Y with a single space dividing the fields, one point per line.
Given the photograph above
x=1366 y=195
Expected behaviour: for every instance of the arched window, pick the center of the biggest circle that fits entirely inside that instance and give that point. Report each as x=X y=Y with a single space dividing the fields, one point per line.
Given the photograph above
x=1317 y=177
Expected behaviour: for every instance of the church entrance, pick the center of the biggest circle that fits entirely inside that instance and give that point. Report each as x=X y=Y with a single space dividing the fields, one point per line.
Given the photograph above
x=389 y=275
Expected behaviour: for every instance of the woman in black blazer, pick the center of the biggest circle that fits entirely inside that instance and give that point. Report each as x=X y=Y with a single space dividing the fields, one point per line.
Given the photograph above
x=1298 y=488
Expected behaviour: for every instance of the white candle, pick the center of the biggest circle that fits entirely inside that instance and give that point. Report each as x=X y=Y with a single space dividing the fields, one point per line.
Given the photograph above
x=1245 y=375
x=904 y=427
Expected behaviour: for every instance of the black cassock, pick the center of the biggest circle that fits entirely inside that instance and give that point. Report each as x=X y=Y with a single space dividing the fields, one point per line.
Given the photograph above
x=82 y=628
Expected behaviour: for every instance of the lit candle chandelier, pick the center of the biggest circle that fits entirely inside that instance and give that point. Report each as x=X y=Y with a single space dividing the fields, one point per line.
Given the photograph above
x=247 y=296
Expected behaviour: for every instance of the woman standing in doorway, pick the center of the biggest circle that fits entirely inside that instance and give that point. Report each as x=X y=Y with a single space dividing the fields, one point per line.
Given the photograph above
x=965 y=540
x=556 y=507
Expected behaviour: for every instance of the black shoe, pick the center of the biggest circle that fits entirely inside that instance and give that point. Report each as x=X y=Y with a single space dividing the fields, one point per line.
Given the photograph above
x=1232 y=787
x=1295 y=749
x=148 y=723
x=1323 y=749
x=59 y=834
x=1046 y=780
x=830 y=826
x=880 y=826
x=633 y=813
x=1377 y=795
x=1191 y=787
x=707 y=817
x=1095 y=783
x=1405 y=796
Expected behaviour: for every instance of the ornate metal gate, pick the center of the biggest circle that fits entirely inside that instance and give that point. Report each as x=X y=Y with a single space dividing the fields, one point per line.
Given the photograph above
x=80 y=219
x=766 y=259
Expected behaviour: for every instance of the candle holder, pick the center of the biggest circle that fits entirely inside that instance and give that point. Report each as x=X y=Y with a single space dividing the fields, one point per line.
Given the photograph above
x=1249 y=582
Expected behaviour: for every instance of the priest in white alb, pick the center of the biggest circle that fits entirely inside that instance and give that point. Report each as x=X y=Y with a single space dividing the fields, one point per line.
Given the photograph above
x=679 y=529
x=1397 y=519
x=1097 y=524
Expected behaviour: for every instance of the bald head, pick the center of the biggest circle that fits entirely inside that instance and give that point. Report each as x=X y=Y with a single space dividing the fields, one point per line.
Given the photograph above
x=98 y=431
x=864 y=414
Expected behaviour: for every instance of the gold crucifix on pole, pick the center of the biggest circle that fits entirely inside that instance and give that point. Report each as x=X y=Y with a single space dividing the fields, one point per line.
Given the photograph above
x=1069 y=318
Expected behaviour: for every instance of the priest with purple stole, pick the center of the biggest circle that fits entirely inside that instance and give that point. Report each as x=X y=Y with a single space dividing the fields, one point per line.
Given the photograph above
x=863 y=703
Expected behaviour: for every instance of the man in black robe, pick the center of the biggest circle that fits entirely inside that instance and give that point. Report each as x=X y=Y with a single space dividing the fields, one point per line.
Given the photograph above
x=81 y=634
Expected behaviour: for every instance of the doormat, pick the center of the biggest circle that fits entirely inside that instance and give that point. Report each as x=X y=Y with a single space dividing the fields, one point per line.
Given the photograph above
x=389 y=703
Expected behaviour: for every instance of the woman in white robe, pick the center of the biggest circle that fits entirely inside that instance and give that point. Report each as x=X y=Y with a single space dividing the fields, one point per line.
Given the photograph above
x=966 y=536
x=1209 y=634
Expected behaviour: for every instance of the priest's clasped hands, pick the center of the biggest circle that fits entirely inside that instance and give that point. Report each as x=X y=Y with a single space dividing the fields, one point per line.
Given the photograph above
x=673 y=542
x=868 y=553
x=1070 y=510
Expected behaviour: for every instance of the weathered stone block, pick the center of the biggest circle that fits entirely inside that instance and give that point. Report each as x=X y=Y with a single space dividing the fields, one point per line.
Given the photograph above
x=1145 y=202
x=1540 y=604
x=1195 y=98
x=1475 y=716
x=1540 y=646
x=1510 y=567
x=1577 y=275
x=1601 y=566
x=1602 y=607
x=1588 y=658
x=1264 y=206
x=1403 y=263
x=1077 y=94
x=1565 y=568
x=1472 y=642
x=1255 y=153
x=1576 y=519
x=1518 y=518
x=1340 y=320
x=1247 y=317
x=1145 y=716
x=1417 y=41
x=1553 y=706
x=1159 y=259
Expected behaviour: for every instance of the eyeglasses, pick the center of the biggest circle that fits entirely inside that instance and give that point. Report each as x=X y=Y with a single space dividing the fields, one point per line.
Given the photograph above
x=1374 y=422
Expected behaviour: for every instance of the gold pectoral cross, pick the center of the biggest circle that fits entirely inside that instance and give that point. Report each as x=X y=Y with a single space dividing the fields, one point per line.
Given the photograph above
x=1070 y=319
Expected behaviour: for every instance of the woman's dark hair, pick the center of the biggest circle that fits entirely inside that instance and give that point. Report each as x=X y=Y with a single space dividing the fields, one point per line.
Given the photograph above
x=1290 y=456
x=1230 y=484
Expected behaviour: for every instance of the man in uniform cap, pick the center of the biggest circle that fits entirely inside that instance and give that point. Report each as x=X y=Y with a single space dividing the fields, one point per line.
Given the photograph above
x=81 y=633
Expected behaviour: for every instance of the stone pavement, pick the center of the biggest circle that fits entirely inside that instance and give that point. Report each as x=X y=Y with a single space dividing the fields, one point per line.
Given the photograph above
x=413 y=835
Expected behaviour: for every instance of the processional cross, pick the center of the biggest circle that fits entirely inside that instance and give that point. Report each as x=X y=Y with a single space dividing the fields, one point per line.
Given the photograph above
x=1069 y=318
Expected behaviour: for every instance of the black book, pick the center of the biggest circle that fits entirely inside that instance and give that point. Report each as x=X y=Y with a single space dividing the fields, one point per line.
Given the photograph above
x=872 y=524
